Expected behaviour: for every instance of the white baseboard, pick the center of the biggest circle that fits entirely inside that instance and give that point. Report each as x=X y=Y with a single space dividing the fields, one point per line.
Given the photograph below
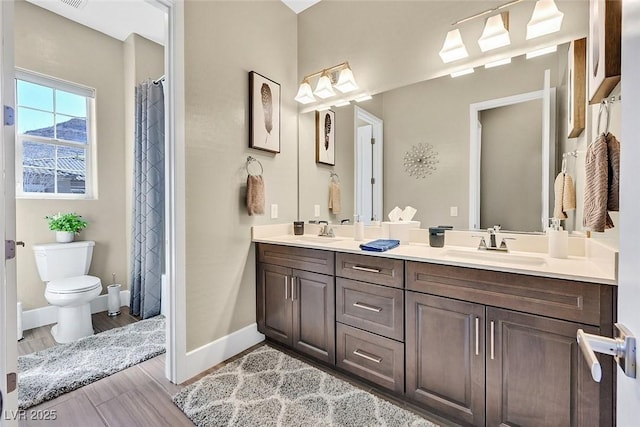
x=48 y=315
x=211 y=354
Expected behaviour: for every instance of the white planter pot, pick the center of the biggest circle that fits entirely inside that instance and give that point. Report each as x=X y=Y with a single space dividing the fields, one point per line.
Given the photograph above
x=64 y=236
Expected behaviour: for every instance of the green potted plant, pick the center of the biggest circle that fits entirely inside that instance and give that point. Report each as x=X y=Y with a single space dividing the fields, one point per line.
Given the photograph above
x=66 y=225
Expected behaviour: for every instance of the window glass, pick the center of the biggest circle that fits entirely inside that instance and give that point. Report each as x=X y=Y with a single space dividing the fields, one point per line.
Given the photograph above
x=71 y=104
x=34 y=95
x=71 y=128
x=34 y=122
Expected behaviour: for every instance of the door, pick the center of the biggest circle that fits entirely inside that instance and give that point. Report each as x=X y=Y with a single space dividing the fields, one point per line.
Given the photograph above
x=8 y=298
x=536 y=375
x=274 y=302
x=314 y=315
x=364 y=173
x=628 y=394
x=445 y=356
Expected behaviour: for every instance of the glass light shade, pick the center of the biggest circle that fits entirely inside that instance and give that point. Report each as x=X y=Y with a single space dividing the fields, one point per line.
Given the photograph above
x=346 y=81
x=324 y=89
x=495 y=34
x=546 y=19
x=453 y=48
x=305 y=94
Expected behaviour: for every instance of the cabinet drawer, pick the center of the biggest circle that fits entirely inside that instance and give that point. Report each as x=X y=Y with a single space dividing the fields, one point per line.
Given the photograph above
x=562 y=299
x=367 y=268
x=374 y=308
x=314 y=260
x=375 y=358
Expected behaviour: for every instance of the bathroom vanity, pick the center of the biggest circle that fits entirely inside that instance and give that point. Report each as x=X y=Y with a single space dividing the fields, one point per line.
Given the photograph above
x=477 y=346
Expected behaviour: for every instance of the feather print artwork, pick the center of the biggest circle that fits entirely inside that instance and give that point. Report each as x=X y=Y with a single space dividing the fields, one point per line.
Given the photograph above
x=327 y=130
x=267 y=107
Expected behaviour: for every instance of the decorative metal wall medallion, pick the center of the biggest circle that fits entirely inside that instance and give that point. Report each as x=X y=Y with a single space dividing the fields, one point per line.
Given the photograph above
x=421 y=160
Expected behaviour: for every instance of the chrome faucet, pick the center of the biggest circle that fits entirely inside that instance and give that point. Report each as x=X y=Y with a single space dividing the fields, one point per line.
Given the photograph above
x=326 y=231
x=482 y=246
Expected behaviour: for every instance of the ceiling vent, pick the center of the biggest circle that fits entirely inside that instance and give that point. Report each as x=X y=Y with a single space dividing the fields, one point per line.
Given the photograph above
x=76 y=4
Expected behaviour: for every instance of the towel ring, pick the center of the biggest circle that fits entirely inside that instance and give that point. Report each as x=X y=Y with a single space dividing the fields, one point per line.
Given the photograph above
x=604 y=105
x=250 y=160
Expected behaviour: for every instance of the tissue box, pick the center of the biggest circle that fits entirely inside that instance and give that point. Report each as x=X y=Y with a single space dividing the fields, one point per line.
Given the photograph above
x=398 y=230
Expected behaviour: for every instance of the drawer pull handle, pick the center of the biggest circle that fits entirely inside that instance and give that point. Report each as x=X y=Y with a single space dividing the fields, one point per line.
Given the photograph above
x=366 y=356
x=370 y=270
x=367 y=307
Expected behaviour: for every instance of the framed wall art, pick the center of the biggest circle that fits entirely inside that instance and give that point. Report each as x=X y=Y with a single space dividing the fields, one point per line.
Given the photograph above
x=604 y=52
x=325 y=137
x=576 y=86
x=264 y=113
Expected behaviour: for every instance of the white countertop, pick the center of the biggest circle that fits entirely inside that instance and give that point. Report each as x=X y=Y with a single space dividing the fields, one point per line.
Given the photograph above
x=594 y=267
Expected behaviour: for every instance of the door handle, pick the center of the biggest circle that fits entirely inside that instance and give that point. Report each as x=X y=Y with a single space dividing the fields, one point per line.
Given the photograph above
x=294 y=288
x=622 y=348
x=492 y=342
x=477 y=338
x=286 y=287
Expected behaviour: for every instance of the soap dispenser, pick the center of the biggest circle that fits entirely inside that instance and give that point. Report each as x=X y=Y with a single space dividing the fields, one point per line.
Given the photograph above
x=358 y=228
x=558 y=240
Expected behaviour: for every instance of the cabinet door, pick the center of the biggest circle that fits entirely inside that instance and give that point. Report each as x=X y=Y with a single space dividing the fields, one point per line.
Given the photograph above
x=314 y=315
x=274 y=302
x=536 y=375
x=445 y=356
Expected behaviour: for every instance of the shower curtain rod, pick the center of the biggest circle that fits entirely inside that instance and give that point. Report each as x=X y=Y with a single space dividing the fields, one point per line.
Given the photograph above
x=161 y=79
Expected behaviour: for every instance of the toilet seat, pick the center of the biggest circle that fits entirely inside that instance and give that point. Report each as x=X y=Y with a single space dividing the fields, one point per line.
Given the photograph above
x=72 y=285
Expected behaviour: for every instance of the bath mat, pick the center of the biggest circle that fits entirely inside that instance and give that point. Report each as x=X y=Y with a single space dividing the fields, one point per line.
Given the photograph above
x=268 y=388
x=47 y=374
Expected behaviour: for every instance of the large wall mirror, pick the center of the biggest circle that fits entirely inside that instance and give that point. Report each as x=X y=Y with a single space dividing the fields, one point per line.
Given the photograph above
x=437 y=112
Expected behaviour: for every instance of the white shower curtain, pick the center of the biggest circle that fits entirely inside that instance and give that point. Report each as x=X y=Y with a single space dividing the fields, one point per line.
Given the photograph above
x=147 y=251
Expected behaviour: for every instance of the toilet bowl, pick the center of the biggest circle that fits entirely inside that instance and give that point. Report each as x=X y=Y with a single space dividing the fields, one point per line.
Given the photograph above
x=64 y=268
x=73 y=298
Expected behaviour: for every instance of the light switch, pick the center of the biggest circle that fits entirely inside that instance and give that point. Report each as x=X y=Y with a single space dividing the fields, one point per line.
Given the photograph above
x=453 y=211
x=316 y=211
x=274 y=211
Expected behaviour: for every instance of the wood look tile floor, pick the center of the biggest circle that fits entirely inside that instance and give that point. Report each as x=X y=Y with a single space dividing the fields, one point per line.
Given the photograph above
x=141 y=396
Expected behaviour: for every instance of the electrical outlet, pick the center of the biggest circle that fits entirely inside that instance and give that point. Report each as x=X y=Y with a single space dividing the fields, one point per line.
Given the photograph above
x=453 y=210
x=316 y=211
x=274 y=211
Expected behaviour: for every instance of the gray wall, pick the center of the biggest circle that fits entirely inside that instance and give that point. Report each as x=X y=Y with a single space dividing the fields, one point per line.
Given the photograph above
x=224 y=40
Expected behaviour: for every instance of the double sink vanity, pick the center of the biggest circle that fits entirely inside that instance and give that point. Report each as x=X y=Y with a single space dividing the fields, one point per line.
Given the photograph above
x=479 y=338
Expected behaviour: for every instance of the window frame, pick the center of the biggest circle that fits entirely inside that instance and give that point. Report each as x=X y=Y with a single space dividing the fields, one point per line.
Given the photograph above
x=89 y=146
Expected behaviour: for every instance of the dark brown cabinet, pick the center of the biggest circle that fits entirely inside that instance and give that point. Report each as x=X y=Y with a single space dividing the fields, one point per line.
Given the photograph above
x=297 y=307
x=489 y=366
x=445 y=356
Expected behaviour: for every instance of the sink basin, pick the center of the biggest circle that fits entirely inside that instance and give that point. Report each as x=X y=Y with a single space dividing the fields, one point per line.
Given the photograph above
x=317 y=239
x=502 y=257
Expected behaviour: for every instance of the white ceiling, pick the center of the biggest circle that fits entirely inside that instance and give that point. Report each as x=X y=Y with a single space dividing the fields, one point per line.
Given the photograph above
x=115 y=18
x=120 y=18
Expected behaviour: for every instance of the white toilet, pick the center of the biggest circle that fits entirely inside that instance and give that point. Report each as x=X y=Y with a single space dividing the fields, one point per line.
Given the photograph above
x=64 y=266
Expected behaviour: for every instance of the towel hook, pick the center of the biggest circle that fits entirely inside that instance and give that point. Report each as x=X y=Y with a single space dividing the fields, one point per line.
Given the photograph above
x=334 y=176
x=564 y=164
x=604 y=106
x=250 y=160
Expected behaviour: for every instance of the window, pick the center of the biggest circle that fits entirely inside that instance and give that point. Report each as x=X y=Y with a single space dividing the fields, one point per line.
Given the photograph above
x=54 y=137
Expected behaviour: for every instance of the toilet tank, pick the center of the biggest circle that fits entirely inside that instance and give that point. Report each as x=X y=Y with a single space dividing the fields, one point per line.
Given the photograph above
x=61 y=260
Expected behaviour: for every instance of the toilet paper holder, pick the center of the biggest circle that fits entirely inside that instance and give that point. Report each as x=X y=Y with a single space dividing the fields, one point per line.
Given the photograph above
x=622 y=348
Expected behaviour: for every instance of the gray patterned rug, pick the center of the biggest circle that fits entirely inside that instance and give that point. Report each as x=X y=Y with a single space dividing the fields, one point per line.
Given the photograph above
x=268 y=388
x=49 y=373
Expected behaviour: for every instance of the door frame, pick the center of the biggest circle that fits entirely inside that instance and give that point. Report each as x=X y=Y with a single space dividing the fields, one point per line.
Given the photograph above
x=8 y=289
x=362 y=115
x=548 y=146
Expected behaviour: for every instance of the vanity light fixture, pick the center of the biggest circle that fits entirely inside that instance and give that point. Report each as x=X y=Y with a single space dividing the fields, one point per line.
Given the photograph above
x=305 y=94
x=462 y=72
x=324 y=89
x=495 y=33
x=453 y=48
x=339 y=76
x=498 y=63
x=540 y=52
x=546 y=19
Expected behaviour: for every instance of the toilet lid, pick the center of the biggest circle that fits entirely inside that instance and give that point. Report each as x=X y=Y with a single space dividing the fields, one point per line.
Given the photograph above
x=73 y=284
